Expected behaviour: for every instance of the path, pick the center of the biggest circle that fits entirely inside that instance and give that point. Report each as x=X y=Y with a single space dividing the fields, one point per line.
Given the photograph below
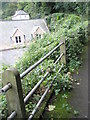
x=11 y=56
x=79 y=95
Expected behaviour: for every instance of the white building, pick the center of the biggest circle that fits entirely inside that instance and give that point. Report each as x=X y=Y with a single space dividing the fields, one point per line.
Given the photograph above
x=21 y=30
x=20 y=15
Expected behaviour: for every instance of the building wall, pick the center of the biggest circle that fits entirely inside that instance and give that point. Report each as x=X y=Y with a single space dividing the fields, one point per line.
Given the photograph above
x=17 y=34
x=20 y=17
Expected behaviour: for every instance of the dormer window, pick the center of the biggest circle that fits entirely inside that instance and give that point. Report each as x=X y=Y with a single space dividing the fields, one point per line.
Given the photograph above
x=18 y=39
x=37 y=32
x=18 y=36
x=20 y=15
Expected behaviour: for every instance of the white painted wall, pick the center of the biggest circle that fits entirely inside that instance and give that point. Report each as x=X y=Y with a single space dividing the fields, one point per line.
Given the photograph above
x=20 y=17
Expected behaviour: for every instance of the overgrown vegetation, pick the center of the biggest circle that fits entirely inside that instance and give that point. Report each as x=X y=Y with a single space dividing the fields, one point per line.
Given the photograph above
x=61 y=25
x=42 y=9
x=62 y=108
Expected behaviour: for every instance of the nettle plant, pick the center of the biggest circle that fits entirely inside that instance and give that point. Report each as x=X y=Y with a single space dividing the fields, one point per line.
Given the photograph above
x=63 y=81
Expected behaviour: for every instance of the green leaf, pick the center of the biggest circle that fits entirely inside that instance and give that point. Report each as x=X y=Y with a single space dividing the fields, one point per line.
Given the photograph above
x=76 y=112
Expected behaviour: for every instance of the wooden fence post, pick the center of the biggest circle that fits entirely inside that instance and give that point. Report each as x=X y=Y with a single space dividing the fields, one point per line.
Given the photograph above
x=63 y=50
x=14 y=96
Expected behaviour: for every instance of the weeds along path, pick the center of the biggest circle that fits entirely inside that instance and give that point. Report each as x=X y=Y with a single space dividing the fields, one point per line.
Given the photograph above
x=79 y=95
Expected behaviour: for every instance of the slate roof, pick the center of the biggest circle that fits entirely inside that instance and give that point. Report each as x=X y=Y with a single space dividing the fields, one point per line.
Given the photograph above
x=26 y=26
x=20 y=12
x=35 y=28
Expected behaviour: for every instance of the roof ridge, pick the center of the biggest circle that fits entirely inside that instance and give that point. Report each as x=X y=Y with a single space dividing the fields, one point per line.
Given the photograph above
x=19 y=20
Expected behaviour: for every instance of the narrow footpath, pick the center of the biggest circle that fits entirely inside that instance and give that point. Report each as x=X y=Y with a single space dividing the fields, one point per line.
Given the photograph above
x=79 y=95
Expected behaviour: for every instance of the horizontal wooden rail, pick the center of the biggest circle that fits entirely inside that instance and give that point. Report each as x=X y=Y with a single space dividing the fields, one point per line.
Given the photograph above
x=6 y=88
x=40 y=61
x=12 y=116
x=35 y=87
x=59 y=58
x=43 y=96
x=40 y=101
x=38 y=84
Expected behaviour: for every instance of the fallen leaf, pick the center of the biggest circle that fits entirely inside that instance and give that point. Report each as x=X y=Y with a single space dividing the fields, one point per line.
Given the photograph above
x=51 y=107
x=78 y=83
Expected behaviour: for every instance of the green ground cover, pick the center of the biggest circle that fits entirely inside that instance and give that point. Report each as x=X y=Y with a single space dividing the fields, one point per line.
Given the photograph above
x=62 y=107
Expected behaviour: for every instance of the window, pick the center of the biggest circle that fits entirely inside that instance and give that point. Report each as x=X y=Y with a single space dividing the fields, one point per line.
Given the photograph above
x=19 y=39
x=10 y=38
x=16 y=39
x=31 y=35
x=24 y=36
x=38 y=36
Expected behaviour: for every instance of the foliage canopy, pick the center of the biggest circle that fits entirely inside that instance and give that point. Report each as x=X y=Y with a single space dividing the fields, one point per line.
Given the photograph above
x=42 y=9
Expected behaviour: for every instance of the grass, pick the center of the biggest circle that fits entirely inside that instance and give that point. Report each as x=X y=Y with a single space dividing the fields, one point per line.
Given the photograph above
x=62 y=107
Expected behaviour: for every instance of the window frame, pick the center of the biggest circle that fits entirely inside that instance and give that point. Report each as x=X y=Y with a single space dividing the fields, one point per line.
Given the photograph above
x=18 y=39
x=38 y=36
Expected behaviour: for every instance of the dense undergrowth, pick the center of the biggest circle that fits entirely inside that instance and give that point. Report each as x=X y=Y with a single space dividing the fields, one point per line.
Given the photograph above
x=61 y=25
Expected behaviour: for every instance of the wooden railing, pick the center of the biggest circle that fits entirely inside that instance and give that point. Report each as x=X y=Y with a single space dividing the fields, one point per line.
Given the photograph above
x=13 y=89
